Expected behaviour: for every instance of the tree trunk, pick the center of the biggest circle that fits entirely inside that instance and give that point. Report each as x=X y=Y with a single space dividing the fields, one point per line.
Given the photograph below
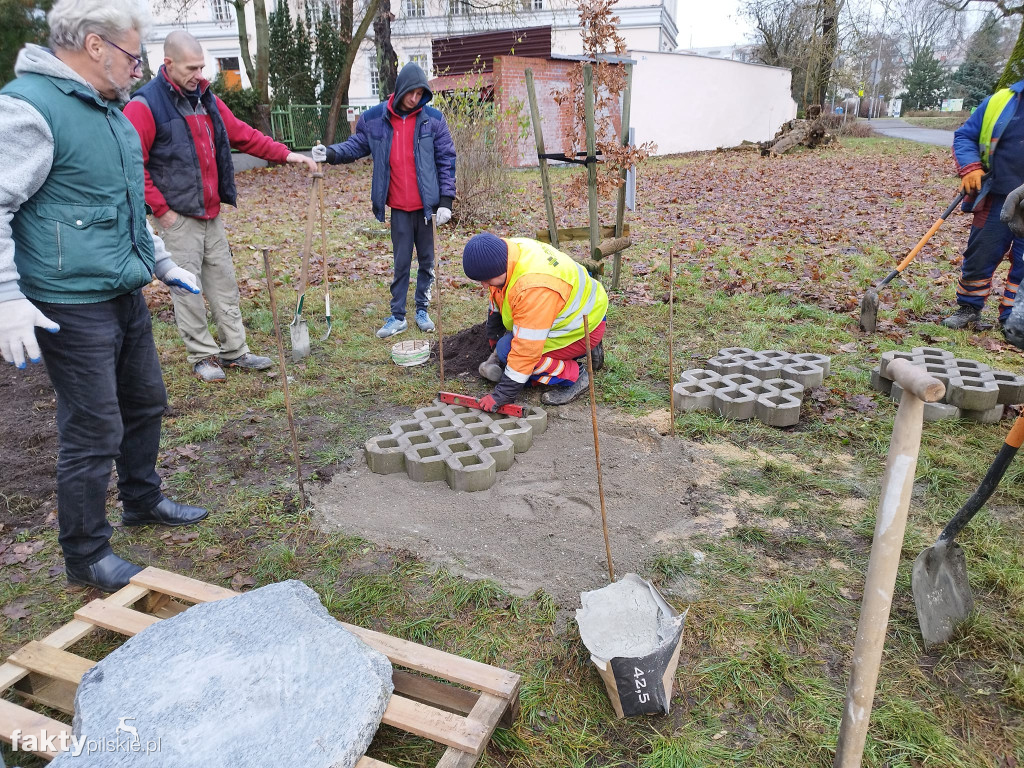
x=341 y=89
x=243 y=41
x=387 y=59
x=1014 y=70
x=829 y=49
x=262 y=83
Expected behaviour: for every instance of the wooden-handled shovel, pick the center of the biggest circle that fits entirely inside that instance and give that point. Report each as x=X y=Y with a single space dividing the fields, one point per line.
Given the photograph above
x=918 y=388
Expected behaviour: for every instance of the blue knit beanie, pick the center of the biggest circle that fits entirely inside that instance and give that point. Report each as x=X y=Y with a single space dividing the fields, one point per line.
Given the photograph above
x=485 y=256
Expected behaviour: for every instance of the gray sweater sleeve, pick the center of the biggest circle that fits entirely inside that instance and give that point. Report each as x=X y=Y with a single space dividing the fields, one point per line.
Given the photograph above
x=26 y=155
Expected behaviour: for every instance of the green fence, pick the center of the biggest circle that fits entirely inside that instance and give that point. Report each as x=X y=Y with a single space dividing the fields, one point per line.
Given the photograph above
x=300 y=126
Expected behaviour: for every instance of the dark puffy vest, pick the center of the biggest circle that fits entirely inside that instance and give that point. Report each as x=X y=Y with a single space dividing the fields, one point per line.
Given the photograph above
x=173 y=162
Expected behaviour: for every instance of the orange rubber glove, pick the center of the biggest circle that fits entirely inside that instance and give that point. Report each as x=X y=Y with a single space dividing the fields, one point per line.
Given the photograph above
x=971 y=182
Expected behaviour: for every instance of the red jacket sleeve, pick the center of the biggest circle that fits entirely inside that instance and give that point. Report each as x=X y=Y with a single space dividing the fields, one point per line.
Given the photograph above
x=138 y=115
x=245 y=138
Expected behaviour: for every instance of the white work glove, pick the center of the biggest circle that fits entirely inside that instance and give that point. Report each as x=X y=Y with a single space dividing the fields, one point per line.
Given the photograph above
x=180 y=281
x=319 y=152
x=19 y=319
x=1012 y=215
x=442 y=216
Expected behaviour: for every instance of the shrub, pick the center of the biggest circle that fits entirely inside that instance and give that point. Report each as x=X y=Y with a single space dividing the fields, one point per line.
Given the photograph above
x=851 y=126
x=244 y=103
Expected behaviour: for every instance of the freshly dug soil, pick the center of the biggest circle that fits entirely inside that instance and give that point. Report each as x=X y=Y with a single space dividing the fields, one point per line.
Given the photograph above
x=28 y=420
x=463 y=351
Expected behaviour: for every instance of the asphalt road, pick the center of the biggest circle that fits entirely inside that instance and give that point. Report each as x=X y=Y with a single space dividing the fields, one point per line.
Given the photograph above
x=900 y=129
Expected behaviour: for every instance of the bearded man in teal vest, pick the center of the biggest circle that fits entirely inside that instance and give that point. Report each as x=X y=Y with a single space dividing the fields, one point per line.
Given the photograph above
x=75 y=251
x=989 y=154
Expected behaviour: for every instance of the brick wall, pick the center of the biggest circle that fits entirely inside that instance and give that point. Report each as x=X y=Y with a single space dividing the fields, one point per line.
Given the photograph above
x=549 y=75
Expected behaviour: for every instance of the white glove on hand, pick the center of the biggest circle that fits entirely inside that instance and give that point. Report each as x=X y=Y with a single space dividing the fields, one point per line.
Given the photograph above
x=1011 y=215
x=19 y=319
x=442 y=216
x=180 y=281
x=319 y=153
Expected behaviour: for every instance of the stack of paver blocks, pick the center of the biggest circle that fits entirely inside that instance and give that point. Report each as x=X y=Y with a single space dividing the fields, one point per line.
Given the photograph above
x=740 y=384
x=465 y=447
x=974 y=391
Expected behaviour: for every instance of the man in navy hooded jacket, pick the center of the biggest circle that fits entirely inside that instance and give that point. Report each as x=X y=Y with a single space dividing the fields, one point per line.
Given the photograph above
x=414 y=175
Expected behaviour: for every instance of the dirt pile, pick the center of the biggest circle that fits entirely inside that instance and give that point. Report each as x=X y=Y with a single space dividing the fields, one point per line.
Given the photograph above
x=463 y=351
x=28 y=421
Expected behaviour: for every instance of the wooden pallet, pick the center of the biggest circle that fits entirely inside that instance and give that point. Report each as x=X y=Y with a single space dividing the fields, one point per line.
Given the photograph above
x=446 y=712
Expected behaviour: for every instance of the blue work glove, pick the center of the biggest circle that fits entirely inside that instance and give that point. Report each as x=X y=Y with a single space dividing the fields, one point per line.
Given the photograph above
x=19 y=319
x=180 y=281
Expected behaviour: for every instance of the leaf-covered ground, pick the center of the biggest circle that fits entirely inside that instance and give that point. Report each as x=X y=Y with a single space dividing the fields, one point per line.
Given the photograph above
x=770 y=253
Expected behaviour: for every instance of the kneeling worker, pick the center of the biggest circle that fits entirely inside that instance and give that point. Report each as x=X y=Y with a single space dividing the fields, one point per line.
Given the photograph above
x=539 y=296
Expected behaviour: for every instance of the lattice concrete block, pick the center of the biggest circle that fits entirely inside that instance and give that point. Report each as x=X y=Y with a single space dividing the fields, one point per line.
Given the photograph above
x=432 y=412
x=699 y=374
x=990 y=416
x=498 y=447
x=426 y=463
x=740 y=380
x=805 y=374
x=1011 y=387
x=470 y=471
x=692 y=396
x=785 y=386
x=940 y=412
x=888 y=357
x=537 y=418
x=972 y=394
x=408 y=440
x=724 y=365
x=763 y=368
x=877 y=382
x=734 y=351
x=516 y=430
x=779 y=409
x=408 y=425
x=932 y=352
x=384 y=455
x=733 y=403
x=776 y=354
x=761 y=388
x=964 y=365
x=822 y=361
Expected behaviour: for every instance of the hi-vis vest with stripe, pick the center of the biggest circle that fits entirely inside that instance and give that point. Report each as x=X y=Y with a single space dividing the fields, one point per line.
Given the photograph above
x=996 y=104
x=588 y=296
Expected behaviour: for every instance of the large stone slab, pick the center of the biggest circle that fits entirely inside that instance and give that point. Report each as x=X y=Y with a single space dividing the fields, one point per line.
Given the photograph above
x=261 y=680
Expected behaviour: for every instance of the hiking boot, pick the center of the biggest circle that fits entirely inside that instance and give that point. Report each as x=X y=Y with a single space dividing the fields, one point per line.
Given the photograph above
x=423 y=321
x=963 y=317
x=563 y=395
x=248 y=361
x=596 y=357
x=491 y=368
x=209 y=370
x=391 y=327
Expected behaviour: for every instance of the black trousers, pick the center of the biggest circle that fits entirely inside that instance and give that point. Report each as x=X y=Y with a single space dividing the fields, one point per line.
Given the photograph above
x=408 y=228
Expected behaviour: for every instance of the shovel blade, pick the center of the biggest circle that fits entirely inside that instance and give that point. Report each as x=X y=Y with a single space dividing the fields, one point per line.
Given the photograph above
x=869 y=311
x=942 y=593
x=300 y=339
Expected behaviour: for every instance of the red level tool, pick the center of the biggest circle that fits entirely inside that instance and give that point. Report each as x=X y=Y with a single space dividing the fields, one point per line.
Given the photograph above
x=471 y=402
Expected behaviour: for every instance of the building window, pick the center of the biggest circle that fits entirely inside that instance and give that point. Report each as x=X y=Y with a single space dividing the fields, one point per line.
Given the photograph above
x=459 y=7
x=538 y=5
x=415 y=8
x=316 y=9
x=223 y=11
x=374 y=75
x=229 y=71
x=420 y=59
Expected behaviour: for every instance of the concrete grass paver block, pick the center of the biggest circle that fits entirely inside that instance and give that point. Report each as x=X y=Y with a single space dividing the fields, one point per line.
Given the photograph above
x=964 y=364
x=469 y=471
x=515 y=430
x=778 y=410
x=822 y=361
x=940 y=412
x=426 y=463
x=734 y=351
x=878 y=383
x=406 y=425
x=733 y=403
x=498 y=447
x=741 y=380
x=699 y=374
x=1011 y=387
x=804 y=373
x=763 y=368
x=786 y=386
x=992 y=415
x=888 y=357
x=724 y=365
x=971 y=394
x=896 y=391
x=384 y=455
x=537 y=418
x=932 y=352
x=692 y=396
x=760 y=388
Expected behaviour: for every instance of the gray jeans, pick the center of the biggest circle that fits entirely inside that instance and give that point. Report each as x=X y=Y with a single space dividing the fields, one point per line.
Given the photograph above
x=201 y=247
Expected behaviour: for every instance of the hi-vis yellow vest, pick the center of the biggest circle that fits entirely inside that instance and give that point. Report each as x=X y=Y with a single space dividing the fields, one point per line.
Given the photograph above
x=996 y=104
x=588 y=296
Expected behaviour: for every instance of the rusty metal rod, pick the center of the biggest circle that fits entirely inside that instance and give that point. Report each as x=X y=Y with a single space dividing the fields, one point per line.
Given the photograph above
x=671 y=335
x=597 y=449
x=284 y=375
x=440 y=333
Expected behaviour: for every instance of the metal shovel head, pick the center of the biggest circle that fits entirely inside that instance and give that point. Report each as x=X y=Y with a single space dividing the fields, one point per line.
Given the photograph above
x=300 y=338
x=942 y=594
x=869 y=311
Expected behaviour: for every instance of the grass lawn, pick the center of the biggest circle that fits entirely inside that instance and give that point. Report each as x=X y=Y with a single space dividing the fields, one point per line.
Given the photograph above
x=770 y=253
x=939 y=123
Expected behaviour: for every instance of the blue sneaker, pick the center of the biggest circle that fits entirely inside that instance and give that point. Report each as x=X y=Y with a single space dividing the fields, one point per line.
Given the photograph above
x=423 y=321
x=391 y=327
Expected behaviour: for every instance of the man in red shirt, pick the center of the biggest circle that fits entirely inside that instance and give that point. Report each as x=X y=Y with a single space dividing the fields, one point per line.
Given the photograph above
x=187 y=134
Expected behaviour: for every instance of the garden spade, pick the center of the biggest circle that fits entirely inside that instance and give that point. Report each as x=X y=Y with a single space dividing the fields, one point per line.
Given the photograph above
x=298 y=329
x=942 y=593
x=869 y=304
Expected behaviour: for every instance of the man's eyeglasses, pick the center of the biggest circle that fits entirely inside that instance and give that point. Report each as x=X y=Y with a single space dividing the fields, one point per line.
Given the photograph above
x=136 y=60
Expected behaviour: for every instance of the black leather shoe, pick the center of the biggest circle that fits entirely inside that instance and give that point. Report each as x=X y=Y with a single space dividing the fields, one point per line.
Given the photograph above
x=110 y=573
x=166 y=512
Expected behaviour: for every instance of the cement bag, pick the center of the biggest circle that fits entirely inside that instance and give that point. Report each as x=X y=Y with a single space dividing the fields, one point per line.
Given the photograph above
x=634 y=637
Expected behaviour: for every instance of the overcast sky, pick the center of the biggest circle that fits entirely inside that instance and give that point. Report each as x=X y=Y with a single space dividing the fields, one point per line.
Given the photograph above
x=703 y=24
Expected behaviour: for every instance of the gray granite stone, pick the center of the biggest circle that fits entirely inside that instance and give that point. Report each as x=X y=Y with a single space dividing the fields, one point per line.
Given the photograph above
x=265 y=679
